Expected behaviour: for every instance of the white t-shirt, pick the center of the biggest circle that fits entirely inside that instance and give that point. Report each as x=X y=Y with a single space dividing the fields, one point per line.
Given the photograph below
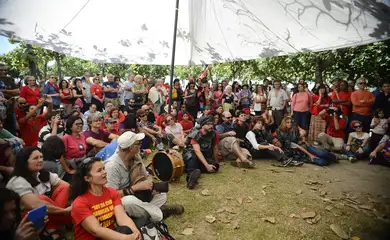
x=364 y=136
x=382 y=126
x=128 y=94
x=277 y=102
x=175 y=130
x=21 y=186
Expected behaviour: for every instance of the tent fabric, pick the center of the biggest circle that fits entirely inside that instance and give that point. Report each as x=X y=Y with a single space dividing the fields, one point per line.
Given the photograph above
x=209 y=31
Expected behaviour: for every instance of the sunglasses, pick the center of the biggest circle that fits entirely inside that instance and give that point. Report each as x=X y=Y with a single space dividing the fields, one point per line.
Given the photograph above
x=141 y=116
x=357 y=126
x=362 y=83
x=228 y=117
x=22 y=103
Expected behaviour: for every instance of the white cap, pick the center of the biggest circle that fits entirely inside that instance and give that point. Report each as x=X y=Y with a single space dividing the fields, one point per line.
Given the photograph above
x=128 y=138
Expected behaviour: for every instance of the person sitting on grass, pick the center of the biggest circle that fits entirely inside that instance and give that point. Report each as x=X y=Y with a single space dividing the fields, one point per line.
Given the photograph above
x=357 y=146
x=381 y=154
x=264 y=144
x=174 y=131
x=333 y=139
x=201 y=153
x=186 y=123
x=95 y=137
x=290 y=138
x=36 y=187
x=127 y=174
x=229 y=145
x=96 y=208
x=151 y=128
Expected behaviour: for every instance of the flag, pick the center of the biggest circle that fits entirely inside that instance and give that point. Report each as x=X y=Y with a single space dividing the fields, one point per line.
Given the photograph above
x=204 y=73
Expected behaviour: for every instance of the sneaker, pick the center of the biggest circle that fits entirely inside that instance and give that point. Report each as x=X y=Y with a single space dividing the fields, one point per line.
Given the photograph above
x=172 y=209
x=352 y=159
x=295 y=163
x=287 y=162
x=193 y=179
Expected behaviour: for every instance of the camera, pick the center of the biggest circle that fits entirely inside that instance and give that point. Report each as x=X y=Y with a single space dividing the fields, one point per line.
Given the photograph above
x=61 y=112
x=330 y=111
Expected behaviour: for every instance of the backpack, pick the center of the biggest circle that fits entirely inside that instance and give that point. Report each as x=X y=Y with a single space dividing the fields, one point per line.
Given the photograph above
x=155 y=231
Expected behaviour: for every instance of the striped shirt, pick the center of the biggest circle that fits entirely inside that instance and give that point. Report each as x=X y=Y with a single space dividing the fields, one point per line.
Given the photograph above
x=45 y=132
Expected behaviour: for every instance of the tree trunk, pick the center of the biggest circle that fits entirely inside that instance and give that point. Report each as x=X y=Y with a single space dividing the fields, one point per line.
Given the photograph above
x=319 y=70
x=32 y=66
x=45 y=70
x=58 y=60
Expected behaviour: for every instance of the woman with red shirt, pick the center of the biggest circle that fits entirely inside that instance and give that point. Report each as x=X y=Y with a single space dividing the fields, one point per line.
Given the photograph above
x=97 y=94
x=341 y=98
x=66 y=96
x=320 y=101
x=96 y=209
x=117 y=115
x=186 y=123
x=30 y=92
x=217 y=95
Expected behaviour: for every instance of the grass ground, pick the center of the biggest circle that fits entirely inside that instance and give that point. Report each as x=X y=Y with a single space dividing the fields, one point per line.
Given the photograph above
x=352 y=196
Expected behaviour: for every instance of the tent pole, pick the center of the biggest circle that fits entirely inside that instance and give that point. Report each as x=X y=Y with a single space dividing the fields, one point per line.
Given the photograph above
x=173 y=56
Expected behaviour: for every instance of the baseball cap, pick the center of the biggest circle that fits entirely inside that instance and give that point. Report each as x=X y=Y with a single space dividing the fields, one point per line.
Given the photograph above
x=128 y=138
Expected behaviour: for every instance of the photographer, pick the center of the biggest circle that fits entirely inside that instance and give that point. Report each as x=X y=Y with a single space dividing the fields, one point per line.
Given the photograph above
x=333 y=139
x=127 y=174
x=54 y=127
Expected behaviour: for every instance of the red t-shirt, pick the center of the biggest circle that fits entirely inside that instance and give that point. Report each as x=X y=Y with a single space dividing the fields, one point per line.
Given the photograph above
x=66 y=100
x=342 y=96
x=30 y=130
x=215 y=142
x=102 y=207
x=31 y=96
x=315 y=110
x=331 y=131
x=19 y=114
x=98 y=90
x=74 y=147
x=187 y=125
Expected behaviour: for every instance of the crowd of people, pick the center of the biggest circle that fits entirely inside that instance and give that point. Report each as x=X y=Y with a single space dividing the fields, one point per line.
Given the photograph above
x=77 y=145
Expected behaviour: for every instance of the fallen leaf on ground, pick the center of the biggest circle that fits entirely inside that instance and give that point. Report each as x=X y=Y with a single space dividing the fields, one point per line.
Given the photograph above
x=339 y=231
x=366 y=207
x=316 y=169
x=327 y=200
x=205 y=192
x=337 y=180
x=230 y=210
x=292 y=215
x=328 y=181
x=314 y=188
x=264 y=186
x=270 y=220
x=323 y=193
x=248 y=199
x=240 y=200
x=373 y=200
x=352 y=206
x=225 y=220
x=274 y=170
x=210 y=218
x=187 y=231
x=263 y=192
x=235 y=225
x=316 y=219
x=306 y=215
x=313 y=182
x=290 y=171
x=298 y=192
x=220 y=210
x=328 y=208
x=229 y=198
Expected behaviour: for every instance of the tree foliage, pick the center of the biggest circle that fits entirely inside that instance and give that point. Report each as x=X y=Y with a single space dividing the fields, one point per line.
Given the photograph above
x=370 y=61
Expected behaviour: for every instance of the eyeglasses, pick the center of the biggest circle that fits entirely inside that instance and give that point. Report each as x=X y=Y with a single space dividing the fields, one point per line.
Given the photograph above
x=22 y=103
x=357 y=126
x=228 y=117
x=78 y=124
x=362 y=83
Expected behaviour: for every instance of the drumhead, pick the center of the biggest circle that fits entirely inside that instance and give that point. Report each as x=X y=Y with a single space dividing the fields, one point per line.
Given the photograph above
x=163 y=167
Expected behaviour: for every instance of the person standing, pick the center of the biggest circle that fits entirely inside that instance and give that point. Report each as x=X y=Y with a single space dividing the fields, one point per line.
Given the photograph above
x=139 y=91
x=97 y=94
x=362 y=100
x=341 y=98
x=87 y=84
x=79 y=94
x=111 y=89
x=66 y=96
x=51 y=89
x=157 y=96
x=383 y=100
x=259 y=100
x=321 y=101
x=128 y=93
x=301 y=103
x=30 y=91
x=277 y=100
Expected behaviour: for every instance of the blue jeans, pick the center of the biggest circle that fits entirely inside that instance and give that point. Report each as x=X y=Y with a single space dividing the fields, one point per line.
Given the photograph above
x=366 y=152
x=324 y=157
x=300 y=119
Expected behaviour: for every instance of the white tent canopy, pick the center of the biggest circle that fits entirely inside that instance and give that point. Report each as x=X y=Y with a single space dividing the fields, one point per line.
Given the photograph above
x=209 y=31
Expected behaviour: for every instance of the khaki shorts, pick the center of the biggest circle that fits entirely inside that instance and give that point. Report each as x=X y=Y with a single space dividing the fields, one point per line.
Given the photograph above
x=225 y=147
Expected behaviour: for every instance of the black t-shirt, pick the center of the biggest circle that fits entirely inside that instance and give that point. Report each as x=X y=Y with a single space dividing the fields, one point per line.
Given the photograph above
x=79 y=92
x=228 y=99
x=9 y=85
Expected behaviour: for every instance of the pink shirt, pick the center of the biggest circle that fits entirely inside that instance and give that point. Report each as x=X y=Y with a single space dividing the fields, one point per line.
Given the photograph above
x=300 y=102
x=74 y=147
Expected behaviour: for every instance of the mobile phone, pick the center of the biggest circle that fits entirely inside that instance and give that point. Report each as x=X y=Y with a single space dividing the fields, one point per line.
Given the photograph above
x=37 y=217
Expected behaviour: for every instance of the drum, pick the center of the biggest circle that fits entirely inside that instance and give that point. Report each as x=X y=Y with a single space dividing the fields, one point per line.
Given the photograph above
x=168 y=165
